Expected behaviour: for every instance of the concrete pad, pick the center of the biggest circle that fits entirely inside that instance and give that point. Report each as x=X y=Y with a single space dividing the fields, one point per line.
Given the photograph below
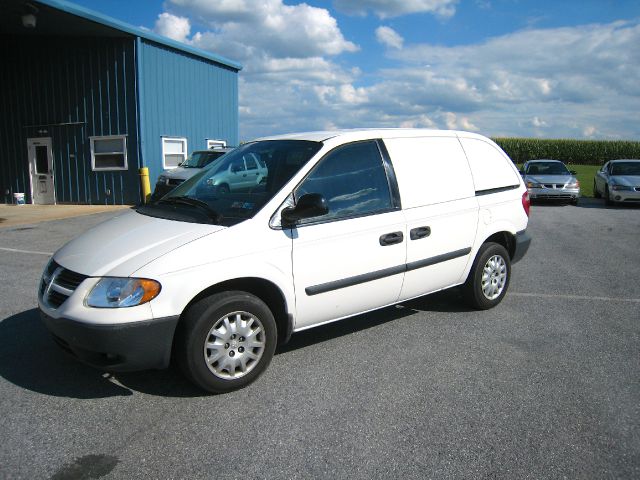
x=12 y=215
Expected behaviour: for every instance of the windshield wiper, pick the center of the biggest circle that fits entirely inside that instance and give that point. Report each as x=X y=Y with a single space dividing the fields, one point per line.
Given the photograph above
x=194 y=202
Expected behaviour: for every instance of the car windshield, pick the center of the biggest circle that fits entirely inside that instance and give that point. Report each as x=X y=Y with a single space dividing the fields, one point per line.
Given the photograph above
x=625 y=168
x=200 y=159
x=237 y=185
x=547 y=168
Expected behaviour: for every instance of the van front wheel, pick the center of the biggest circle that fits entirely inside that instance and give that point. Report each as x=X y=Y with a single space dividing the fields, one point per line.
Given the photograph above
x=489 y=277
x=226 y=341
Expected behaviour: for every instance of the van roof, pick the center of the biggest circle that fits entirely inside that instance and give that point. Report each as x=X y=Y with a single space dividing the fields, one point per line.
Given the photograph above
x=366 y=133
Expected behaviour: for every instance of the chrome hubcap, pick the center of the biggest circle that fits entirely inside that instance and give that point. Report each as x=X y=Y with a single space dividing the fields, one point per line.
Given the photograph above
x=494 y=277
x=234 y=345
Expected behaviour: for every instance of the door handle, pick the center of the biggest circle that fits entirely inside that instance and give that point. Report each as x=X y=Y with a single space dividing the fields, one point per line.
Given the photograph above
x=391 y=238
x=419 y=232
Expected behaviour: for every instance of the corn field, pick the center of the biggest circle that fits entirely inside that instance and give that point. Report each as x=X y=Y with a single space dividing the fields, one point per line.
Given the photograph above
x=583 y=152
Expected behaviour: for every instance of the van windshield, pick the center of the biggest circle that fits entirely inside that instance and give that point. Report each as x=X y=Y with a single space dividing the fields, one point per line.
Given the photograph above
x=237 y=185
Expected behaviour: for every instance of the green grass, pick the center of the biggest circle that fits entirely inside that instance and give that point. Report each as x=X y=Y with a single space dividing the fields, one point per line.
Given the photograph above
x=585 y=174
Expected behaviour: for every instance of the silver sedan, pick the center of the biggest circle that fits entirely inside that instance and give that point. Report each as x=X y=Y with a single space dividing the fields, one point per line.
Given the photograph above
x=618 y=181
x=550 y=180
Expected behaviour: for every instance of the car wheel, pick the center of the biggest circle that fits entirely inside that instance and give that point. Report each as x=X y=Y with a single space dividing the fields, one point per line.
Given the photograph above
x=225 y=341
x=223 y=189
x=574 y=201
x=607 y=197
x=489 y=277
x=596 y=193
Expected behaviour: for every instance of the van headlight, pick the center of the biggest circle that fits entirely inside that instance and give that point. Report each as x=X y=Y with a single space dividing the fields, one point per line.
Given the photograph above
x=111 y=292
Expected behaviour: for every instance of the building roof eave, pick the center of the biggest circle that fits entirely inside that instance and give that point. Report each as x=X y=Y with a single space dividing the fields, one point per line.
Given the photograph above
x=116 y=24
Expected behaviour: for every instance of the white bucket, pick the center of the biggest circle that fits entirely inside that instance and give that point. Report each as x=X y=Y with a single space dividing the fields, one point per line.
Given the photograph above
x=19 y=198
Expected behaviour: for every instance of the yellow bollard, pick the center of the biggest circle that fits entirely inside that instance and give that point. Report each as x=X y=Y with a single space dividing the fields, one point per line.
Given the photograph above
x=145 y=185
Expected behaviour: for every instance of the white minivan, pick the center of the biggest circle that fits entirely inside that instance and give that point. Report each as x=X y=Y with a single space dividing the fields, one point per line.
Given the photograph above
x=345 y=222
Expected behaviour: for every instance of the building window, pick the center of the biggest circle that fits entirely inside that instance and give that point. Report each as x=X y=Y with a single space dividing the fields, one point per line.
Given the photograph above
x=215 y=143
x=109 y=153
x=174 y=151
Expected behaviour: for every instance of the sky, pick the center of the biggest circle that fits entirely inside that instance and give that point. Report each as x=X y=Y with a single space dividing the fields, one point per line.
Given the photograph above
x=502 y=68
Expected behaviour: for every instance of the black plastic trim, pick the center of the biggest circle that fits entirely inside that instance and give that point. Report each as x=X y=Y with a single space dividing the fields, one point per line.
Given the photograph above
x=523 y=241
x=438 y=259
x=391 y=174
x=356 y=280
x=489 y=191
x=386 y=272
x=116 y=347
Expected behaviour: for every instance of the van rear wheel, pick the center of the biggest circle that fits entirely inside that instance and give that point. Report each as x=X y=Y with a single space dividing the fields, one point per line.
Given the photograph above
x=226 y=341
x=489 y=277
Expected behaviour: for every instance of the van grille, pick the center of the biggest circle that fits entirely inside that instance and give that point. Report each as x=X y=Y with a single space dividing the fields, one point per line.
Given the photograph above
x=58 y=284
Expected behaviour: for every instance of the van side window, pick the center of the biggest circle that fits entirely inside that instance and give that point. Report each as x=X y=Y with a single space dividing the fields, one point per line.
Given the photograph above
x=353 y=181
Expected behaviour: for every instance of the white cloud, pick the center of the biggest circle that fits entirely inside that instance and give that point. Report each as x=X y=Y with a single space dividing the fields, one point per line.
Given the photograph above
x=172 y=26
x=589 y=131
x=396 y=8
x=389 y=37
x=538 y=122
x=564 y=82
x=573 y=78
x=243 y=30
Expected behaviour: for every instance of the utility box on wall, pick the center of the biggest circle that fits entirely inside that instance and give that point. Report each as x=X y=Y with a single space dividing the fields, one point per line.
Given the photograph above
x=86 y=100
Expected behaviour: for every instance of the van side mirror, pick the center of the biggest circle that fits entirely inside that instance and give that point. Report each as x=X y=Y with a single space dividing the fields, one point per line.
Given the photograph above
x=573 y=172
x=308 y=205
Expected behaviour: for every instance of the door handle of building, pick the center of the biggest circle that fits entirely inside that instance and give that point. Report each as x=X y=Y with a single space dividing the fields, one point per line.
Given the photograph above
x=419 y=232
x=391 y=238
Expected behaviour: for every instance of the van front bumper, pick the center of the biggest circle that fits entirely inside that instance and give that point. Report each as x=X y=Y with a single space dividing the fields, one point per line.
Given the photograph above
x=117 y=347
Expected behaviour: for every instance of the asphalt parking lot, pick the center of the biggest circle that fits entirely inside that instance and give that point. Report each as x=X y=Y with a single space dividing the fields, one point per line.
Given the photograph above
x=547 y=385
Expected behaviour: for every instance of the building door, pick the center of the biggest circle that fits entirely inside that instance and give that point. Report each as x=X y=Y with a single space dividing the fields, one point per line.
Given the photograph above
x=41 y=170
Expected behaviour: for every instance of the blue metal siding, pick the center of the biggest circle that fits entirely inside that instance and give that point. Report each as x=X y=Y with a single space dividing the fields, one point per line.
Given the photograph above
x=69 y=89
x=182 y=95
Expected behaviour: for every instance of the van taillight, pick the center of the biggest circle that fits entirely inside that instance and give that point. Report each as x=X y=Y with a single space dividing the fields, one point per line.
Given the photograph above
x=526 y=202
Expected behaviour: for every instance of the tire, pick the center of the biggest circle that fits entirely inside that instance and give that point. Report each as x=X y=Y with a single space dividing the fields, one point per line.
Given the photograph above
x=607 y=198
x=223 y=190
x=489 y=277
x=596 y=193
x=225 y=341
x=574 y=201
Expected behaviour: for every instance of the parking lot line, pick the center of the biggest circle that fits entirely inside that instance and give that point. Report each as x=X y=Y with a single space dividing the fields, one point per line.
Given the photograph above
x=574 y=297
x=15 y=250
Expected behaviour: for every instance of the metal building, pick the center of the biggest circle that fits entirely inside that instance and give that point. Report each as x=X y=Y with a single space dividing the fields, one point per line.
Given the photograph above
x=86 y=100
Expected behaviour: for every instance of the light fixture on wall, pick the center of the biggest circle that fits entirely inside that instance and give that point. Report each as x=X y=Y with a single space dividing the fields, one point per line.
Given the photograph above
x=29 y=17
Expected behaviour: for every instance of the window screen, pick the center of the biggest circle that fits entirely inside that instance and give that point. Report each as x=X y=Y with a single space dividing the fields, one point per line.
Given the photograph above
x=109 y=153
x=174 y=151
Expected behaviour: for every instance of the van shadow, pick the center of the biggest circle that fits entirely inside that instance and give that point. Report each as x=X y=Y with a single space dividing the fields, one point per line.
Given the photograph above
x=30 y=359
x=445 y=301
